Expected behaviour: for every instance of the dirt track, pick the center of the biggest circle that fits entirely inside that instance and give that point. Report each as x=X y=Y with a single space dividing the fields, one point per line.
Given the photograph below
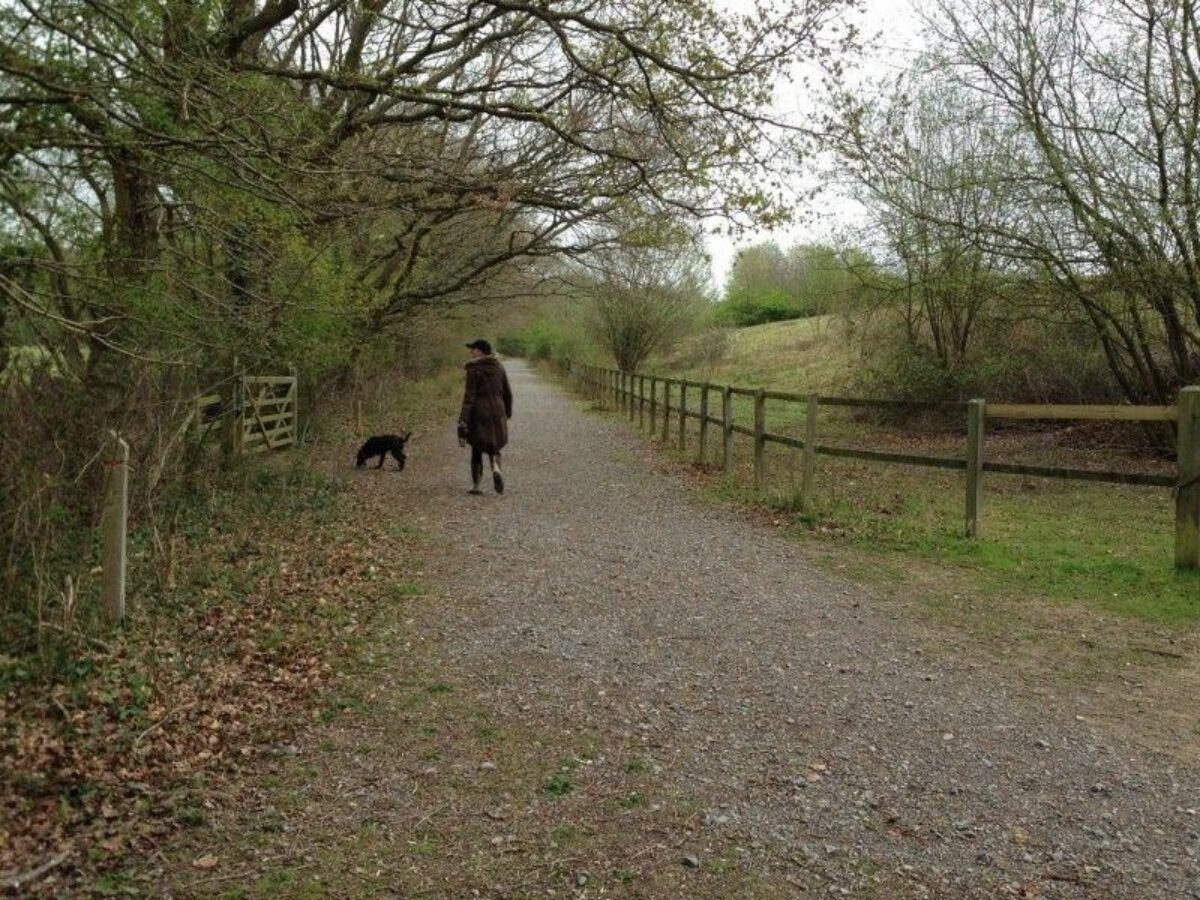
x=674 y=703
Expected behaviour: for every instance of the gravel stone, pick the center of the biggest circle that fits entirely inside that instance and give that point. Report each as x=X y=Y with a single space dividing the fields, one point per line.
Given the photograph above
x=602 y=591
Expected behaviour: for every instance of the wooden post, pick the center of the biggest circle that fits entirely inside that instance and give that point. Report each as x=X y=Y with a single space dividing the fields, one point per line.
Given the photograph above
x=239 y=415
x=976 y=415
x=760 y=443
x=632 y=397
x=233 y=423
x=666 y=425
x=703 y=422
x=653 y=404
x=1187 y=497
x=114 y=523
x=727 y=428
x=641 y=401
x=682 y=415
x=810 y=450
x=295 y=404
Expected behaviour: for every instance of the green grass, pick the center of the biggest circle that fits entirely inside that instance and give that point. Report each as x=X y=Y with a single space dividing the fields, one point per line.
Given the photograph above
x=1074 y=544
x=1102 y=545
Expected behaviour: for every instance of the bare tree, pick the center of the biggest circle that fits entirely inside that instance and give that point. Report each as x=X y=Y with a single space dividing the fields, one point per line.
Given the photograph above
x=933 y=167
x=644 y=298
x=1106 y=99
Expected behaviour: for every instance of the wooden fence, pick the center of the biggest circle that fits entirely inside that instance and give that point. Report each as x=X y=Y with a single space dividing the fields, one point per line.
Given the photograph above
x=639 y=394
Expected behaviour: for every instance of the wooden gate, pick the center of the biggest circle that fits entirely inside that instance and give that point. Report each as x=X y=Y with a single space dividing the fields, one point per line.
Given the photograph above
x=266 y=412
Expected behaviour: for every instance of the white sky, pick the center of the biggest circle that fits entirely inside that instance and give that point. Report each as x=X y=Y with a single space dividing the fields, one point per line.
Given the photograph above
x=891 y=30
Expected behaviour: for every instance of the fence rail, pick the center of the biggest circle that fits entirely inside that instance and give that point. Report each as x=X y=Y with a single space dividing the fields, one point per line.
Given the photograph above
x=641 y=396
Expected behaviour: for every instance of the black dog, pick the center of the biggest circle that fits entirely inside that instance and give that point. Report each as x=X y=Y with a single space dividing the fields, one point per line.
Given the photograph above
x=381 y=445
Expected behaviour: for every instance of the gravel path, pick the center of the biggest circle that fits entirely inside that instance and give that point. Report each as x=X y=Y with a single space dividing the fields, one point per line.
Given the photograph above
x=819 y=720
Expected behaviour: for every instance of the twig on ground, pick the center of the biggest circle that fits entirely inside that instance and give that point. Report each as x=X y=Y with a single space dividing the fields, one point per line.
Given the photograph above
x=15 y=880
x=1169 y=654
x=137 y=740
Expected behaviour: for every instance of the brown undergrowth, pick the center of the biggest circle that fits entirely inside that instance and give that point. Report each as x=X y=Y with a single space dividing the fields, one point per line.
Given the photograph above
x=272 y=592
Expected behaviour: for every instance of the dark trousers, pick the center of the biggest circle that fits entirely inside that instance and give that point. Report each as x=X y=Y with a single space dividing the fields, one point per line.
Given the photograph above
x=477 y=463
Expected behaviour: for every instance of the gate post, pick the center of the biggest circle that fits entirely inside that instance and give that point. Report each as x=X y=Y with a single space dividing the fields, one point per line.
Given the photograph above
x=703 y=420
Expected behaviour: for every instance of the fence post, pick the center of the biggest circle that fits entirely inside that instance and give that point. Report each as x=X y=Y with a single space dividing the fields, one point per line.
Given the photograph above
x=703 y=421
x=653 y=404
x=666 y=425
x=760 y=443
x=632 y=396
x=976 y=415
x=810 y=449
x=682 y=414
x=114 y=524
x=727 y=428
x=641 y=401
x=1187 y=497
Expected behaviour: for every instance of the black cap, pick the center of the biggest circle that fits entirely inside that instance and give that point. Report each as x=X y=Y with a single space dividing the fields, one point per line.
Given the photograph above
x=481 y=345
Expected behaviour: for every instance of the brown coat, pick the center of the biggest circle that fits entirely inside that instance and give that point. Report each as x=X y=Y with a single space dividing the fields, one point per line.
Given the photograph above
x=487 y=404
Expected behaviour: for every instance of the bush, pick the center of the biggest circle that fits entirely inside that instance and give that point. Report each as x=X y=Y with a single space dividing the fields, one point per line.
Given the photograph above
x=545 y=338
x=745 y=308
x=1026 y=363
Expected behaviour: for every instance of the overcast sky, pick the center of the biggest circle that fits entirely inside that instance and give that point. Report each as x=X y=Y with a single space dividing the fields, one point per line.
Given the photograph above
x=892 y=28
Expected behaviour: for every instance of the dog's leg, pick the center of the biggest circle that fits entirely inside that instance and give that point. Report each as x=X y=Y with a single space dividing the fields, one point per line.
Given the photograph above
x=382 y=459
x=399 y=460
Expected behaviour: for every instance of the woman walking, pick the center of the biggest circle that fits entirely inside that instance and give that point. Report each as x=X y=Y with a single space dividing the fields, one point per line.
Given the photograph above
x=486 y=409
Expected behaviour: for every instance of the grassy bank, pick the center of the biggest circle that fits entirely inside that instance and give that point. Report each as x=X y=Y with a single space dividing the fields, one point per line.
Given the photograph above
x=1045 y=543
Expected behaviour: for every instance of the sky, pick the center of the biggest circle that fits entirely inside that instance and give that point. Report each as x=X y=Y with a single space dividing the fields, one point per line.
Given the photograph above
x=893 y=30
